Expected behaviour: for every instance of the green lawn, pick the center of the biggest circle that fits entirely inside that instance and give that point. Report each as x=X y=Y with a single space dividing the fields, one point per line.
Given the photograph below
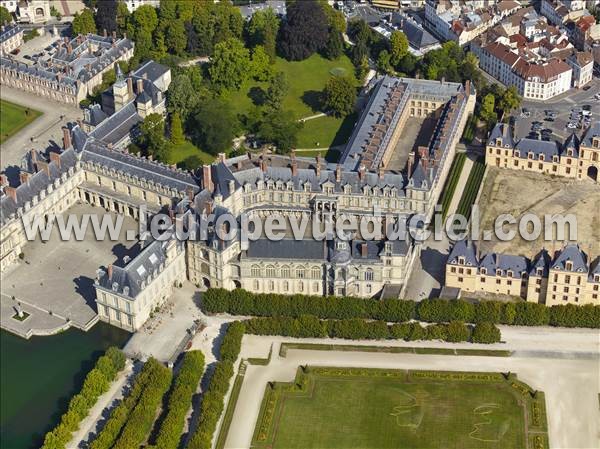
x=353 y=408
x=471 y=188
x=451 y=182
x=306 y=81
x=181 y=152
x=14 y=117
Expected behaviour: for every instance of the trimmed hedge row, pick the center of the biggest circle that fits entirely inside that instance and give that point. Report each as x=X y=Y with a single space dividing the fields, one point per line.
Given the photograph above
x=140 y=421
x=180 y=400
x=213 y=400
x=242 y=302
x=307 y=326
x=96 y=382
x=120 y=415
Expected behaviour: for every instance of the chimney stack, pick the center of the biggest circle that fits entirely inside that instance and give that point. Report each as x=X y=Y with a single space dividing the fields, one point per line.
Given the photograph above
x=11 y=192
x=190 y=194
x=362 y=170
x=114 y=35
x=110 y=272
x=69 y=48
x=318 y=166
x=364 y=250
x=263 y=164
x=66 y=138
x=338 y=173
x=24 y=177
x=468 y=87
x=140 y=86
x=222 y=157
x=207 y=178
x=129 y=88
x=55 y=157
x=294 y=167
x=3 y=180
x=104 y=33
x=381 y=172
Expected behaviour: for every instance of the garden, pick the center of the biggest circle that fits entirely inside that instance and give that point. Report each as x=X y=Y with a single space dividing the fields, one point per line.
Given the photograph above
x=14 y=117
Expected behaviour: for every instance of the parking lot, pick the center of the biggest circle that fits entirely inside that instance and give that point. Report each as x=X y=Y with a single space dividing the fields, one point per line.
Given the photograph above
x=561 y=106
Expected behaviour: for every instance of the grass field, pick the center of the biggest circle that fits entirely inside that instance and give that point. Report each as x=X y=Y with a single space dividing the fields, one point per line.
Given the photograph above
x=14 y=117
x=182 y=152
x=451 y=182
x=343 y=408
x=306 y=81
x=471 y=187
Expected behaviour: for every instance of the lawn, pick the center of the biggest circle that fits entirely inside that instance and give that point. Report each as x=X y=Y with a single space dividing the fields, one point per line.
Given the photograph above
x=306 y=81
x=14 y=117
x=181 y=152
x=451 y=182
x=344 y=408
x=471 y=188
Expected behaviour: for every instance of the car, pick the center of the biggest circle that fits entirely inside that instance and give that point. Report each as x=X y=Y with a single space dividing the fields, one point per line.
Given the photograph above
x=549 y=119
x=587 y=113
x=586 y=107
x=586 y=88
x=27 y=57
x=16 y=51
x=597 y=96
x=572 y=125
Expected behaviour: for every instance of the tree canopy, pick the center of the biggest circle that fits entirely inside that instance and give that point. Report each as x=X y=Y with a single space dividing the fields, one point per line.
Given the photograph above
x=5 y=15
x=340 y=95
x=83 y=23
x=305 y=31
x=214 y=126
x=230 y=65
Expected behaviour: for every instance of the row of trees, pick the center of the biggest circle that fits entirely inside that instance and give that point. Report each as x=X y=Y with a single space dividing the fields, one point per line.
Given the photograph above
x=153 y=373
x=242 y=302
x=180 y=400
x=213 y=400
x=96 y=382
x=308 y=326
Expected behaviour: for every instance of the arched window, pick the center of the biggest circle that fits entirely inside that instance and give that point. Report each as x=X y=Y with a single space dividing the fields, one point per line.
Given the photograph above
x=369 y=275
x=256 y=271
x=285 y=272
x=300 y=273
x=316 y=272
x=270 y=271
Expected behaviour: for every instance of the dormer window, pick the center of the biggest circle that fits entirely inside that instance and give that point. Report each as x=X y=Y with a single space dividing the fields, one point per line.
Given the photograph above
x=569 y=265
x=569 y=152
x=498 y=142
x=517 y=153
x=541 y=157
x=484 y=271
x=461 y=260
x=539 y=271
x=498 y=272
x=509 y=273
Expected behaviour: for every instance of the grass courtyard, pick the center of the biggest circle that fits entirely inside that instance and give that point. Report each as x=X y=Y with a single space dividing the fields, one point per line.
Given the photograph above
x=13 y=117
x=343 y=408
x=306 y=81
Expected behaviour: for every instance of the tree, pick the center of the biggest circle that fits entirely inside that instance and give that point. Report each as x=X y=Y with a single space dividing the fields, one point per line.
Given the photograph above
x=398 y=47
x=5 y=15
x=262 y=29
x=359 y=52
x=340 y=95
x=486 y=333
x=177 y=137
x=123 y=16
x=408 y=64
x=152 y=136
x=277 y=90
x=487 y=111
x=305 y=31
x=383 y=63
x=362 y=69
x=106 y=15
x=359 y=31
x=230 y=65
x=181 y=96
x=280 y=128
x=83 y=23
x=262 y=70
x=214 y=126
x=335 y=18
x=335 y=45
x=510 y=100
x=176 y=38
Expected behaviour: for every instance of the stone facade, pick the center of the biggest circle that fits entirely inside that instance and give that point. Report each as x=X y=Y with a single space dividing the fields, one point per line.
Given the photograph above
x=575 y=158
x=565 y=278
x=11 y=38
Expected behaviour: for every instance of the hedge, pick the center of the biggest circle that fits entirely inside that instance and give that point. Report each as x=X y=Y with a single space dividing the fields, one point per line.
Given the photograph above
x=140 y=420
x=120 y=414
x=96 y=382
x=486 y=333
x=242 y=302
x=180 y=400
x=307 y=326
x=213 y=401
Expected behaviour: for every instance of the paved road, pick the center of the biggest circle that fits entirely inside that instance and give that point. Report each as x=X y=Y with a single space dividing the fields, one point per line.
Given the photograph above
x=570 y=386
x=44 y=130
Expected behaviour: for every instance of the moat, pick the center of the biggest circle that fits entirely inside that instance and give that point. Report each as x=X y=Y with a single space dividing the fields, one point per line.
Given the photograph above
x=38 y=377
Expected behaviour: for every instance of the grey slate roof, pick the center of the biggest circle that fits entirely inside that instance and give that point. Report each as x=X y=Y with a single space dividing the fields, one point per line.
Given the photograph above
x=493 y=262
x=504 y=132
x=118 y=126
x=592 y=131
x=538 y=147
x=417 y=36
x=153 y=70
x=308 y=249
x=542 y=260
x=571 y=253
x=9 y=31
x=466 y=249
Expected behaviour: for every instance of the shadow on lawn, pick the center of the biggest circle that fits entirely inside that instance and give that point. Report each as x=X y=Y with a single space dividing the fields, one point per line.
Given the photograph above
x=313 y=99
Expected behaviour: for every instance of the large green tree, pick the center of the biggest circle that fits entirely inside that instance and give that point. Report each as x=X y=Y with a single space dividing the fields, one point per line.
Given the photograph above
x=84 y=23
x=262 y=29
x=262 y=70
x=182 y=97
x=106 y=15
x=214 y=126
x=152 y=136
x=305 y=31
x=398 y=47
x=5 y=15
x=176 y=37
x=177 y=137
x=335 y=45
x=340 y=95
x=510 y=100
x=281 y=129
x=277 y=90
x=230 y=64
x=487 y=110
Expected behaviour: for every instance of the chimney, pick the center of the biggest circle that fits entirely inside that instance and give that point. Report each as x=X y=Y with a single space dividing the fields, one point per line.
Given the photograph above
x=11 y=192
x=190 y=194
x=222 y=157
x=381 y=172
x=33 y=157
x=104 y=33
x=150 y=157
x=362 y=170
x=110 y=272
x=66 y=138
x=140 y=86
x=43 y=165
x=231 y=186
x=363 y=250
x=263 y=164
x=468 y=87
x=294 y=167
x=443 y=80
x=207 y=178
x=55 y=157
x=338 y=173
x=24 y=177
x=318 y=166
x=3 y=180
x=114 y=35
x=410 y=164
x=69 y=48
x=129 y=88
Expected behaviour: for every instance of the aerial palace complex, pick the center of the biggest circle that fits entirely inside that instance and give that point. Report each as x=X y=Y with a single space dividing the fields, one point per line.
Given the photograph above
x=93 y=167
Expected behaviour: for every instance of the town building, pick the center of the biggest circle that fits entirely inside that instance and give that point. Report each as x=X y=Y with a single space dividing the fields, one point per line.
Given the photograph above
x=278 y=7
x=91 y=169
x=11 y=38
x=577 y=158
x=463 y=21
x=420 y=41
x=72 y=69
x=559 y=12
x=582 y=64
x=32 y=11
x=565 y=277
x=132 y=5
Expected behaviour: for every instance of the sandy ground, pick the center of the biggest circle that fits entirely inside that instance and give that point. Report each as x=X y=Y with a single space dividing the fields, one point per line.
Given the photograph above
x=519 y=192
x=544 y=358
x=417 y=131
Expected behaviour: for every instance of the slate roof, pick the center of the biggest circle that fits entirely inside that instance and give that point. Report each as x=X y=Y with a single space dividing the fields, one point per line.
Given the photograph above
x=592 y=131
x=493 y=262
x=541 y=260
x=9 y=31
x=537 y=147
x=308 y=249
x=466 y=249
x=118 y=126
x=417 y=36
x=571 y=253
x=502 y=131
x=153 y=70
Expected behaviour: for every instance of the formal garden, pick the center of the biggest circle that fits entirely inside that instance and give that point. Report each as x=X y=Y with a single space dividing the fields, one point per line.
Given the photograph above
x=379 y=408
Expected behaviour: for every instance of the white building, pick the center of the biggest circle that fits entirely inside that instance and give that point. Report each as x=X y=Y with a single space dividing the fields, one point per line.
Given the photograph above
x=132 y=5
x=583 y=68
x=11 y=38
x=33 y=11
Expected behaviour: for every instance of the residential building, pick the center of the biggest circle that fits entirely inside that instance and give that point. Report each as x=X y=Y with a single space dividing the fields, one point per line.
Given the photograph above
x=11 y=38
x=420 y=41
x=71 y=71
x=566 y=277
x=10 y=5
x=559 y=12
x=575 y=158
x=278 y=6
x=33 y=11
x=132 y=5
x=582 y=64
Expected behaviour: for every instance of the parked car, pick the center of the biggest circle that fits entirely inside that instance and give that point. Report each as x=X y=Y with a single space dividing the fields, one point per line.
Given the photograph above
x=572 y=125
